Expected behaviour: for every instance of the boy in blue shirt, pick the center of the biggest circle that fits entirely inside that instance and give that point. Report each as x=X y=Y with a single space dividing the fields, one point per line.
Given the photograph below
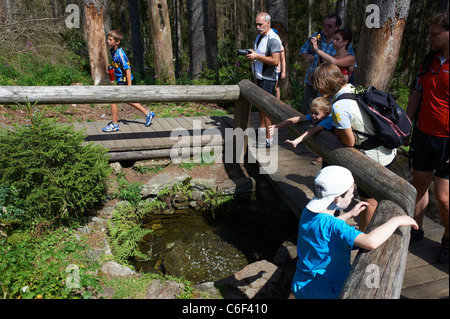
x=324 y=241
x=122 y=72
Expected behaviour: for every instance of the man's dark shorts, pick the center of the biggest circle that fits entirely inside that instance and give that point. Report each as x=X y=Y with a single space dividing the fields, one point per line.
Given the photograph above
x=430 y=153
x=266 y=85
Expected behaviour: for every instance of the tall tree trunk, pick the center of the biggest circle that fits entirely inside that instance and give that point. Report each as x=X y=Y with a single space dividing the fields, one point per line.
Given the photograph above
x=136 y=39
x=162 y=40
x=310 y=8
x=197 y=38
x=341 y=10
x=98 y=58
x=107 y=16
x=239 y=14
x=379 y=47
x=211 y=40
x=278 y=10
x=178 y=38
x=202 y=37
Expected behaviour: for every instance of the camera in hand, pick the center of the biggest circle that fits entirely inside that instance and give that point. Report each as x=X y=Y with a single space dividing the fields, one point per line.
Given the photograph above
x=318 y=36
x=243 y=51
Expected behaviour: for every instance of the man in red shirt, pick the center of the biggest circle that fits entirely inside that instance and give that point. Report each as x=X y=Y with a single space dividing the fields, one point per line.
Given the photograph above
x=430 y=149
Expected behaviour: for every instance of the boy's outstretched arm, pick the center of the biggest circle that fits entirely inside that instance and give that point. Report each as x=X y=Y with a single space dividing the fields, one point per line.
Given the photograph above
x=382 y=233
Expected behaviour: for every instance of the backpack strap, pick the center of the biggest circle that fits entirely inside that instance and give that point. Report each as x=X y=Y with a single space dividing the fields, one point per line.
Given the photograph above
x=372 y=140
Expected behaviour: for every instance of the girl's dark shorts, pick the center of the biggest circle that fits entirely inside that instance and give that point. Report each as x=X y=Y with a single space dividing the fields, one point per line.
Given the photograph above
x=430 y=153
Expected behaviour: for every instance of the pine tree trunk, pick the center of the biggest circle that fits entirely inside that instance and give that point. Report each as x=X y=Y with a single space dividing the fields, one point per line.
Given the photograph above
x=379 y=48
x=202 y=37
x=98 y=58
x=136 y=40
x=162 y=40
x=341 y=10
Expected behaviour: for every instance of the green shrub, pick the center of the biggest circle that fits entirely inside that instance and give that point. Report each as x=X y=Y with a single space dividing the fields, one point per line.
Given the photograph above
x=39 y=268
x=54 y=174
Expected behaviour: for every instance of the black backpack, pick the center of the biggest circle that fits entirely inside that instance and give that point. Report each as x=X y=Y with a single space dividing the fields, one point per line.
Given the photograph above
x=391 y=124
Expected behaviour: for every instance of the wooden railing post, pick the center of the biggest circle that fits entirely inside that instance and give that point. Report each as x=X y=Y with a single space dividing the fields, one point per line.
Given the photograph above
x=242 y=110
x=378 y=274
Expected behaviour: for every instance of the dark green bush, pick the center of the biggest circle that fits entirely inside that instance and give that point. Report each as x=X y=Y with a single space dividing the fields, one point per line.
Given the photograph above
x=54 y=174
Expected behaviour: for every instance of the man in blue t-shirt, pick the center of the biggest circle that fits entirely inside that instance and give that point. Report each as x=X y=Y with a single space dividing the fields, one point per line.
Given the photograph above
x=331 y=23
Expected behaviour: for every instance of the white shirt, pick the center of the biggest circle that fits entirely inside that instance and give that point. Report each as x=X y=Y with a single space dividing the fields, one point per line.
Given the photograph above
x=347 y=114
x=268 y=45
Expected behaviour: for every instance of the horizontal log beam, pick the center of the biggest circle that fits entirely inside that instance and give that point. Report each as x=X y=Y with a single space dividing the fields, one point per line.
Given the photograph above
x=159 y=153
x=118 y=94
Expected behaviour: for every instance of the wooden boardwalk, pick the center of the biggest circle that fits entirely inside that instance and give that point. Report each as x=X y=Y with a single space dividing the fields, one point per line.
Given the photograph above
x=424 y=278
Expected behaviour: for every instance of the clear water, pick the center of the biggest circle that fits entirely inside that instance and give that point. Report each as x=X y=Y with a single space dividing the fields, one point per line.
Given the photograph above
x=202 y=246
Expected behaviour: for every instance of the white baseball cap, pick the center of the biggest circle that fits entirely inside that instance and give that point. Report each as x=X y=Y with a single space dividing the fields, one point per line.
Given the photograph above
x=330 y=182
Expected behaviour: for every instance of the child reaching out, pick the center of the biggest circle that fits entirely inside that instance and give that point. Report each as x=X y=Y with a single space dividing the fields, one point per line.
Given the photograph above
x=123 y=76
x=324 y=241
x=320 y=116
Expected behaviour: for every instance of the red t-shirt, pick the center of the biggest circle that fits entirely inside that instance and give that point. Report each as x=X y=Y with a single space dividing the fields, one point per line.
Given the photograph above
x=434 y=113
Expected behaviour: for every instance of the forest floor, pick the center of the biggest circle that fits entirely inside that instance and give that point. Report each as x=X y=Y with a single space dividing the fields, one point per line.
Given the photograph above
x=73 y=113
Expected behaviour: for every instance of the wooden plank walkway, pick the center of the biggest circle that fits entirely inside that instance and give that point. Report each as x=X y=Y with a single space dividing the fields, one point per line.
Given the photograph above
x=425 y=277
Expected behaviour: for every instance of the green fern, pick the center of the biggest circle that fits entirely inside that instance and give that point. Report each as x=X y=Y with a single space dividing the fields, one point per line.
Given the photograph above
x=125 y=233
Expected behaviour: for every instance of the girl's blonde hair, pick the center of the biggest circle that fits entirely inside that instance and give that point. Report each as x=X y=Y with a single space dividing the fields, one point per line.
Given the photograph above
x=321 y=103
x=328 y=79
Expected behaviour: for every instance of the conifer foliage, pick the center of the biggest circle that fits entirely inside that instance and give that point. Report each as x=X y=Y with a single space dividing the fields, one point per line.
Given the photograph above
x=56 y=176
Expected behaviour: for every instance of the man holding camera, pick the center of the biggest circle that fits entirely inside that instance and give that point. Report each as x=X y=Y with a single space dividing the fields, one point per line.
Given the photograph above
x=265 y=57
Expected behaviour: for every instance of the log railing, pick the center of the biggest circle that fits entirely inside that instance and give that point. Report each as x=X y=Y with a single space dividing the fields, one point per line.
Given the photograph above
x=375 y=274
x=118 y=94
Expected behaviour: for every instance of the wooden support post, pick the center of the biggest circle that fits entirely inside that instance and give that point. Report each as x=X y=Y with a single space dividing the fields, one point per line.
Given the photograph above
x=378 y=274
x=242 y=109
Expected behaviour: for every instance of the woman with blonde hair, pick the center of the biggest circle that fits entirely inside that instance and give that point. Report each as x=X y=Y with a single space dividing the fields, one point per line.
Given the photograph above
x=352 y=124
